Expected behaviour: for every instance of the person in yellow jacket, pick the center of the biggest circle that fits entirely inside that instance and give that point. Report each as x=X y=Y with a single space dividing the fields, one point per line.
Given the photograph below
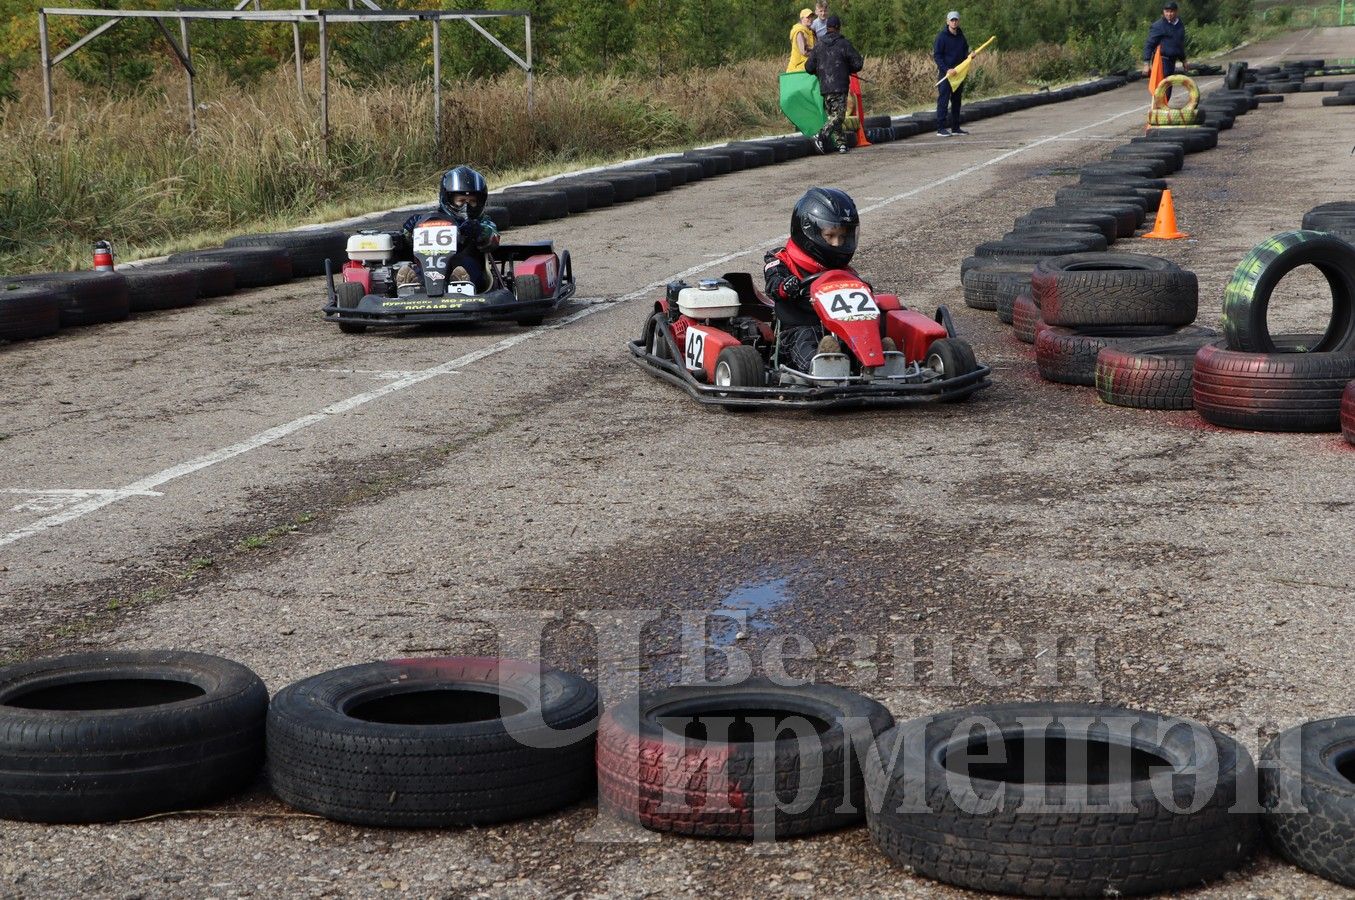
x=801 y=41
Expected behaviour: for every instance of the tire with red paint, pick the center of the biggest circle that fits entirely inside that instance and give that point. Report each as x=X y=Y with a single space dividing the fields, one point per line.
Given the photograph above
x=705 y=761
x=1068 y=356
x=1348 y=413
x=1026 y=321
x=1290 y=390
x=1154 y=377
x=433 y=742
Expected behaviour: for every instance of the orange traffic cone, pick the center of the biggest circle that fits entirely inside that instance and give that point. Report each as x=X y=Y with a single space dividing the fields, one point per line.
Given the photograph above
x=1155 y=75
x=1164 y=228
x=855 y=90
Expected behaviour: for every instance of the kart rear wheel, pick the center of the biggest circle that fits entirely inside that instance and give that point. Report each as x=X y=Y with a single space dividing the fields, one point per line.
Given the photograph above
x=739 y=366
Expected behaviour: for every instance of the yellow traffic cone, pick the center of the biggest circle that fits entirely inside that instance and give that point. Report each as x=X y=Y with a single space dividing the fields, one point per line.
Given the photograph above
x=1164 y=228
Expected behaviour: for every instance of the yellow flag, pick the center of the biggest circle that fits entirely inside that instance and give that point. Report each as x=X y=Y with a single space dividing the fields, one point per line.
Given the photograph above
x=963 y=68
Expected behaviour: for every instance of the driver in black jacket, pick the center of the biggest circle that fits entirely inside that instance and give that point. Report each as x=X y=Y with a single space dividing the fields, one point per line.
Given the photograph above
x=834 y=60
x=461 y=200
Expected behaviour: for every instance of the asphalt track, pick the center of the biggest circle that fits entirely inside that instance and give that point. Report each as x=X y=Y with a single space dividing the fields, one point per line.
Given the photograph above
x=240 y=478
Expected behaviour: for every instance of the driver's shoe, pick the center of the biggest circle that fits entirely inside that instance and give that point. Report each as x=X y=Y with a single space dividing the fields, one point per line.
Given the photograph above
x=889 y=346
x=406 y=275
x=459 y=274
x=830 y=344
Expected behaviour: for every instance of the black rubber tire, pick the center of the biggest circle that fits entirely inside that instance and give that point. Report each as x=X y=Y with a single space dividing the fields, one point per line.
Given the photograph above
x=743 y=365
x=756 y=154
x=1128 y=216
x=720 y=788
x=878 y=122
x=1068 y=356
x=1102 y=193
x=87 y=298
x=1281 y=391
x=653 y=337
x=663 y=179
x=1134 y=181
x=1216 y=118
x=1348 y=413
x=1041 y=840
x=577 y=195
x=523 y=209
x=1029 y=248
x=551 y=203
x=601 y=194
x=629 y=185
x=1095 y=290
x=1145 y=166
x=253 y=266
x=1308 y=801
x=1339 y=100
x=1090 y=241
x=498 y=215
x=981 y=279
x=1161 y=149
x=98 y=737
x=1151 y=377
x=309 y=249
x=1192 y=138
x=1109 y=224
x=1010 y=285
x=348 y=294
x=1237 y=73
x=29 y=312
x=215 y=279
x=711 y=162
x=1246 y=299
x=155 y=287
x=389 y=769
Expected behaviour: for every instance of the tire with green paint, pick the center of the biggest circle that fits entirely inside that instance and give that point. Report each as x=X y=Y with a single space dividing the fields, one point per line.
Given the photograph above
x=1246 y=300
x=1175 y=81
x=1169 y=116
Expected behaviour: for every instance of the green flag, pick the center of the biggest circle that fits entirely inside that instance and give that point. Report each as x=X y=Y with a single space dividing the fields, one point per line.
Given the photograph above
x=802 y=103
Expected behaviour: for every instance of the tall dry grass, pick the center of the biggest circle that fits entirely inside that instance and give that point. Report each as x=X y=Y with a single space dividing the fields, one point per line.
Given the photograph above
x=126 y=168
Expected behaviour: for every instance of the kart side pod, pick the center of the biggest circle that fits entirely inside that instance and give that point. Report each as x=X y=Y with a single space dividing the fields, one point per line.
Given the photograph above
x=912 y=331
x=544 y=266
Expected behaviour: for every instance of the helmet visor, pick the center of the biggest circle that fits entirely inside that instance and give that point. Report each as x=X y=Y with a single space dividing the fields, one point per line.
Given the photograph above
x=836 y=237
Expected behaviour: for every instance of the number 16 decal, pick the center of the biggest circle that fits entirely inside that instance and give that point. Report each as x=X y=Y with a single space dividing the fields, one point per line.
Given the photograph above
x=694 y=354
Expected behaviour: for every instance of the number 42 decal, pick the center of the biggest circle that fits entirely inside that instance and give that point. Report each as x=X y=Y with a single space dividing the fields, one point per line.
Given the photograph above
x=850 y=304
x=694 y=349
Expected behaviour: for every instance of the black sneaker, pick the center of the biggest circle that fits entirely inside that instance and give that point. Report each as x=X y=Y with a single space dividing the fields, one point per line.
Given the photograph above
x=842 y=148
x=958 y=131
x=942 y=132
x=818 y=143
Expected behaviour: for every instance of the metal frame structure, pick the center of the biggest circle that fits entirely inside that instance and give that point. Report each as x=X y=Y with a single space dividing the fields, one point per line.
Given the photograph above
x=297 y=17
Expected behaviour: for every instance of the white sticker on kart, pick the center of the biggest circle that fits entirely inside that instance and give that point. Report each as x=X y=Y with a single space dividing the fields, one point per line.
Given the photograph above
x=435 y=239
x=849 y=304
x=462 y=288
x=694 y=352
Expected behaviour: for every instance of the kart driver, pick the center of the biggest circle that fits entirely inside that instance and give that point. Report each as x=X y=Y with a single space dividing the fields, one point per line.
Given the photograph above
x=823 y=229
x=461 y=200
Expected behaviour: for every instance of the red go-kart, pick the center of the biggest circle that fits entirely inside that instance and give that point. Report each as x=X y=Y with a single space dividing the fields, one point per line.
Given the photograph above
x=719 y=340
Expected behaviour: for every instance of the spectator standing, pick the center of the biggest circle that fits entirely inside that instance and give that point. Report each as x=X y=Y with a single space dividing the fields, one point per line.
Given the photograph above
x=1168 y=33
x=802 y=40
x=949 y=50
x=834 y=60
x=820 y=23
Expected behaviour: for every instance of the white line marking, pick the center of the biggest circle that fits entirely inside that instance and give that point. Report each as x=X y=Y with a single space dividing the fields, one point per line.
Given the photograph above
x=80 y=491
x=272 y=435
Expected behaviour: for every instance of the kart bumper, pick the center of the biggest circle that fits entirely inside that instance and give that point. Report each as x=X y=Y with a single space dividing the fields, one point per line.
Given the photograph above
x=420 y=309
x=877 y=393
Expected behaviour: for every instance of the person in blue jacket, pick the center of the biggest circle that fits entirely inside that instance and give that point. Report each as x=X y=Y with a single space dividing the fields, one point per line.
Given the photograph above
x=1169 y=33
x=949 y=50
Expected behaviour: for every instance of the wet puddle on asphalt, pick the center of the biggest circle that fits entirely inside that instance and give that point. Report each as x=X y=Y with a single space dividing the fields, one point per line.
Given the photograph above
x=745 y=609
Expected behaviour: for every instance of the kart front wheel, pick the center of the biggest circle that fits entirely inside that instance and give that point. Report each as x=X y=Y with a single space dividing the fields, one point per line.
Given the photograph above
x=739 y=366
x=352 y=328
x=655 y=342
x=951 y=358
x=347 y=296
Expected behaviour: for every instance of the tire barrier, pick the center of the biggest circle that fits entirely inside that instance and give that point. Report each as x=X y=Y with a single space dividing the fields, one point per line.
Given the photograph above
x=1069 y=355
x=1171 y=82
x=253 y=266
x=1348 y=413
x=727 y=761
x=97 y=737
x=1169 y=116
x=29 y=312
x=1156 y=376
x=308 y=248
x=1056 y=800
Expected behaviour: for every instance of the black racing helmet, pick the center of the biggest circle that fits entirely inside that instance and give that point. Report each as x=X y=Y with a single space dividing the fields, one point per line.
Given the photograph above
x=463 y=180
x=822 y=208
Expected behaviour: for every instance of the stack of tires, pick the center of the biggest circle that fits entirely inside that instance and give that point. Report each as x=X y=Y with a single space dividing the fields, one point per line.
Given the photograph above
x=1120 y=322
x=1162 y=114
x=1291 y=382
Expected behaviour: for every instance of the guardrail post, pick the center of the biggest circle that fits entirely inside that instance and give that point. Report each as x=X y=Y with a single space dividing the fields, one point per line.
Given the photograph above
x=531 y=99
x=437 y=89
x=324 y=82
x=46 y=64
